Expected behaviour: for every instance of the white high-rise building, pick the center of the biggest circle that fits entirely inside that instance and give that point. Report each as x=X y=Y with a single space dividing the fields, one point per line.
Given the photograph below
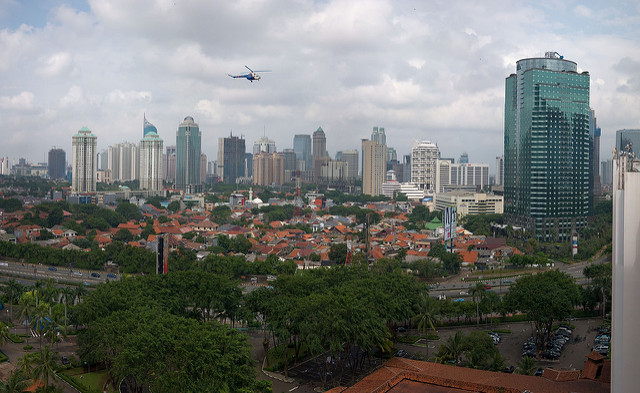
x=450 y=175
x=264 y=145
x=5 y=166
x=151 y=150
x=424 y=155
x=626 y=274
x=84 y=146
x=124 y=161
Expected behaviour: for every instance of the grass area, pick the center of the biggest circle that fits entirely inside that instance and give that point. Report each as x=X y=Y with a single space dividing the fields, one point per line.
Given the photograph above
x=15 y=338
x=501 y=331
x=85 y=382
x=3 y=357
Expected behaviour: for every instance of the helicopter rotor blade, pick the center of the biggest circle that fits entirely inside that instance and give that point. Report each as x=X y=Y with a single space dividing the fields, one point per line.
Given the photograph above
x=249 y=69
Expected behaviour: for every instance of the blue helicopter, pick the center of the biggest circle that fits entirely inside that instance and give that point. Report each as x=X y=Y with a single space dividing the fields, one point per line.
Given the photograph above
x=251 y=76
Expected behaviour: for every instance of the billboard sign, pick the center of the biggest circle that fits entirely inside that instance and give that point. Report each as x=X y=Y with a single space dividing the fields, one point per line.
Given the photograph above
x=450 y=220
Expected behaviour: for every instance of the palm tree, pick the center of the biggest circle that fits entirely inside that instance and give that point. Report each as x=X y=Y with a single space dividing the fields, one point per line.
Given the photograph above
x=27 y=307
x=80 y=291
x=49 y=292
x=40 y=321
x=454 y=346
x=45 y=364
x=13 y=290
x=16 y=383
x=525 y=366
x=68 y=295
x=477 y=293
x=427 y=316
x=37 y=287
x=4 y=334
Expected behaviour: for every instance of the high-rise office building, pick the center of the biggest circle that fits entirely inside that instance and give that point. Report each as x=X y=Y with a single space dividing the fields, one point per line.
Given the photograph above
x=546 y=147
x=150 y=158
x=374 y=164
x=406 y=168
x=499 y=170
x=84 y=147
x=265 y=145
x=351 y=158
x=124 y=161
x=188 y=150
x=319 y=143
x=268 y=168
x=289 y=159
x=462 y=176
x=232 y=159
x=170 y=164
x=57 y=164
x=203 y=168
x=628 y=137
x=464 y=158
x=424 y=155
x=594 y=164
x=103 y=160
x=606 y=169
x=379 y=136
x=302 y=147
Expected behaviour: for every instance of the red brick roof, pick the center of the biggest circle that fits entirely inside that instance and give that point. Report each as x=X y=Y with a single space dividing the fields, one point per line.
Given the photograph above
x=400 y=375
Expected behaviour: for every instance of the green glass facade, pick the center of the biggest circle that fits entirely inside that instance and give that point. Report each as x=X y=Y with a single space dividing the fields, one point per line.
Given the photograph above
x=188 y=151
x=546 y=147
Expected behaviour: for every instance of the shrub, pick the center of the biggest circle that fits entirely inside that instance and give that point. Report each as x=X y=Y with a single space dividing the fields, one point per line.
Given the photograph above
x=27 y=347
x=16 y=339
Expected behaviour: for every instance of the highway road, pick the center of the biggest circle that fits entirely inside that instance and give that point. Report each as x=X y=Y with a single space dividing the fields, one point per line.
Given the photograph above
x=33 y=272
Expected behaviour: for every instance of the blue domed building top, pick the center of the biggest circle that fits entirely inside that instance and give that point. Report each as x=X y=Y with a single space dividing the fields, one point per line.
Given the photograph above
x=148 y=128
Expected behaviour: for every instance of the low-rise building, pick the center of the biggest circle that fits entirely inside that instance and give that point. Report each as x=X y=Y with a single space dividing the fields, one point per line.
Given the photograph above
x=470 y=202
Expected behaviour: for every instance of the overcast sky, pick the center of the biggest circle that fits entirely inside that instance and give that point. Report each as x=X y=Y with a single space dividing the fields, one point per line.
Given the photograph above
x=430 y=70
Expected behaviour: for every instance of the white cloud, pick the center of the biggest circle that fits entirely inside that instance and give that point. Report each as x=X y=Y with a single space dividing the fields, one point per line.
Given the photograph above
x=432 y=70
x=22 y=102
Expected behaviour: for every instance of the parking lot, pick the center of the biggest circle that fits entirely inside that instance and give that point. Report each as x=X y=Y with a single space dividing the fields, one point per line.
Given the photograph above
x=510 y=346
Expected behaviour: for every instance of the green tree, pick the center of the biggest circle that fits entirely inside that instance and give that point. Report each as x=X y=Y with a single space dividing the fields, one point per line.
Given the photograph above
x=477 y=293
x=45 y=364
x=123 y=235
x=452 y=348
x=338 y=253
x=525 y=366
x=428 y=315
x=16 y=383
x=129 y=211
x=545 y=297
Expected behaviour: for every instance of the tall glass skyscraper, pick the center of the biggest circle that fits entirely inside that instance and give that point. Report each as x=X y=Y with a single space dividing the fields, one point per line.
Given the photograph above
x=302 y=147
x=232 y=159
x=188 y=152
x=57 y=163
x=150 y=158
x=546 y=147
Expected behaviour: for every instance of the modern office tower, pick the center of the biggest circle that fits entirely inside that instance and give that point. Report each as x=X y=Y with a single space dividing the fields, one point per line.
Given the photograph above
x=203 y=167
x=124 y=161
x=170 y=164
x=460 y=176
x=626 y=273
x=57 y=163
x=268 y=168
x=374 y=157
x=379 y=136
x=5 y=166
x=499 y=170
x=231 y=159
x=84 y=147
x=302 y=147
x=424 y=155
x=625 y=137
x=406 y=163
x=464 y=158
x=188 y=140
x=289 y=159
x=392 y=156
x=265 y=145
x=546 y=147
x=319 y=143
x=150 y=158
x=606 y=169
x=594 y=164
x=351 y=158
x=334 y=171
x=103 y=160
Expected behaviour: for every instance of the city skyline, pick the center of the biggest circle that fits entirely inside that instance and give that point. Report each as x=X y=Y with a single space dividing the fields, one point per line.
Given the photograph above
x=434 y=73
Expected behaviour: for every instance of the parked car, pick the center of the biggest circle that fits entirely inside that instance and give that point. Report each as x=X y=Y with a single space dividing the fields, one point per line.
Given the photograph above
x=53 y=269
x=111 y=275
x=95 y=275
x=509 y=369
x=65 y=360
x=402 y=353
x=539 y=372
x=401 y=329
